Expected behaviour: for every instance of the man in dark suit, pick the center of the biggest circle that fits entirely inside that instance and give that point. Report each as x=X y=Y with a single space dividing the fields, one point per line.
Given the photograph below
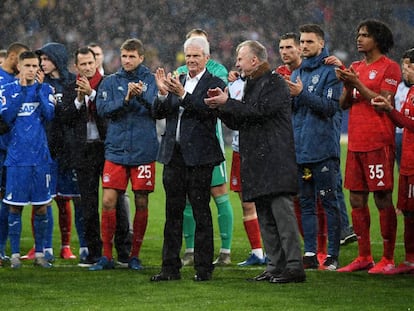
x=189 y=150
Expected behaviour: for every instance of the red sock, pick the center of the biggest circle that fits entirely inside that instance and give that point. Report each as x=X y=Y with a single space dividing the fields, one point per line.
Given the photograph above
x=409 y=238
x=361 y=221
x=108 y=227
x=298 y=214
x=140 y=226
x=65 y=219
x=388 y=224
x=322 y=228
x=253 y=232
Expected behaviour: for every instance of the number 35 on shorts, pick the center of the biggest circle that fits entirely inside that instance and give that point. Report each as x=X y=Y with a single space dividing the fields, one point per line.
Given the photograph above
x=376 y=171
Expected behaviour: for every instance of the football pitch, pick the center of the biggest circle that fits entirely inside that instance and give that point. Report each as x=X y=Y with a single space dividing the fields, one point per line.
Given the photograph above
x=69 y=287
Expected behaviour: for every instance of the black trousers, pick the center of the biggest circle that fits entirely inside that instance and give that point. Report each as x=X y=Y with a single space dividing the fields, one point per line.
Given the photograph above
x=89 y=174
x=181 y=181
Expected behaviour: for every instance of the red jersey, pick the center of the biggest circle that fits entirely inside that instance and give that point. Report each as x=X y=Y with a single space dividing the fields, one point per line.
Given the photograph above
x=407 y=153
x=284 y=71
x=368 y=129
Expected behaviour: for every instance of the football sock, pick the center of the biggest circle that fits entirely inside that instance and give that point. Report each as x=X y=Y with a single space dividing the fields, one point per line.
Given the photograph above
x=79 y=223
x=4 y=219
x=140 y=226
x=108 y=227
x=65 y=219
x=225 y=221
x=48 y=243
x=362 y=221
x=253 y=233
x=40 y=227
x=188 y=226
x=15 y=230
x=388 y=224
x=409 y=238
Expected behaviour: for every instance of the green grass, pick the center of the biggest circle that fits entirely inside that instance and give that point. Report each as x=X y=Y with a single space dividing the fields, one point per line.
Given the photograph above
x=68 y=287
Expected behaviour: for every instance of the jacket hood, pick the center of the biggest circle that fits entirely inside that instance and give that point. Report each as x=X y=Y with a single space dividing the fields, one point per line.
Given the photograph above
x=316 y=61
x=58 y=54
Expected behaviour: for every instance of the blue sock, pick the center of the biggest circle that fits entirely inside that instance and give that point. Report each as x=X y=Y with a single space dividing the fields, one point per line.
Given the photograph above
x=79 y=224
x=4 y=227
x=15 y=231
x=41 y=223
x=48 y=235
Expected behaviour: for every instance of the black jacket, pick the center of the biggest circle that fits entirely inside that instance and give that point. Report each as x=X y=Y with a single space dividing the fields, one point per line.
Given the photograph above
x=198 y=140
x=263 y=118
x=73 y=122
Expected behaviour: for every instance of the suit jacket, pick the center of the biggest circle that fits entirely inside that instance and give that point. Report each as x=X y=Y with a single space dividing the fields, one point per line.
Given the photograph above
x=198 y=140
x=73 y=123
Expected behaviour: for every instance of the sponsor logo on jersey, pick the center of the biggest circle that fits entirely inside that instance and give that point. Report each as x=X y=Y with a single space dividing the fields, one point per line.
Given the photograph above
x=372 y=74
x=330 y=92
x=27 y=109
x=391 y=81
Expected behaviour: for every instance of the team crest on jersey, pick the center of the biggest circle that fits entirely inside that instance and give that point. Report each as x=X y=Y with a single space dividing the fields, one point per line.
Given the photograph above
x=106 y=178
x=144 y=87
x=372 y=74
x=27 y=109
x=315 y=79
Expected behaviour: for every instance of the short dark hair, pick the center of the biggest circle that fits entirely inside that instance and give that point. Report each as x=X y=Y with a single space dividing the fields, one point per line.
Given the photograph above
x=93 y=45
x=16 y=47
x=83 y=50
x=133 y=44
x=196 y=31
x=290 y=35
x=380 y=32
x=409 y=54
x=28 y=54
x=313 y=28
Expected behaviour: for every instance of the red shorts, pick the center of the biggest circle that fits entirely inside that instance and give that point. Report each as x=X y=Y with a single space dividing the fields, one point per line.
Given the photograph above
x=116 y=176
x=406 y=193
x=235 y=180
x=370 y=171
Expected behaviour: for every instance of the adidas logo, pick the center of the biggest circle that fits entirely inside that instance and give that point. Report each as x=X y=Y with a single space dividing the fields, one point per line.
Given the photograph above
x=381 y=184
x=149 y=183
x=324 y=169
